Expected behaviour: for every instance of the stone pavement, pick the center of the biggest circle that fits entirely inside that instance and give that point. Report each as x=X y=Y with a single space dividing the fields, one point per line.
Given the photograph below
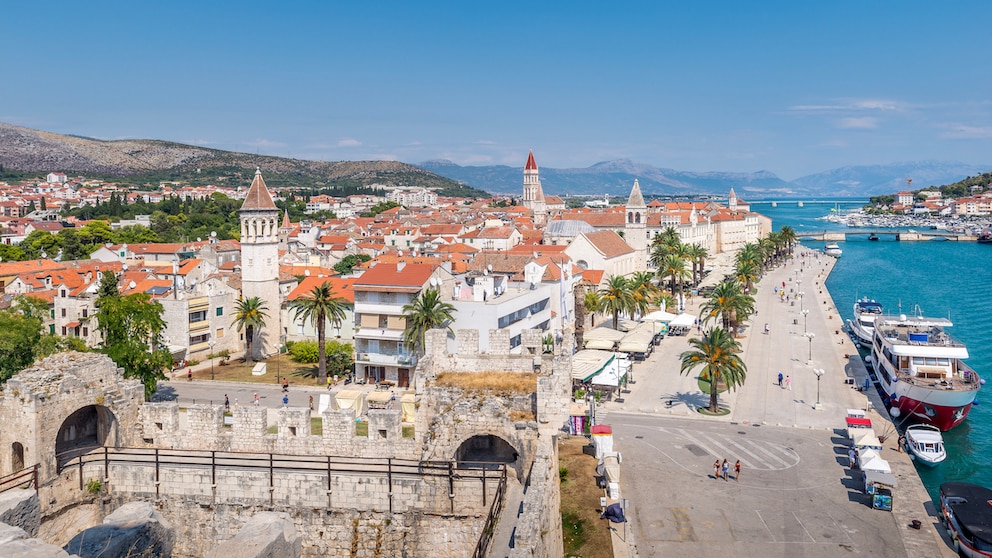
x=660 y=391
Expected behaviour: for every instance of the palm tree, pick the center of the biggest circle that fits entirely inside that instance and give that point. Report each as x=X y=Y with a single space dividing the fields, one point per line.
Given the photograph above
x=249 y=315
x=643 y=291
x=592 y=304
x=673 y=267
x=616 y=297
x=747 y=273
x=425 y=312
x=718 y=353
x=789 y=236
x=316 y=307
x=728 y=302
x=697 y=255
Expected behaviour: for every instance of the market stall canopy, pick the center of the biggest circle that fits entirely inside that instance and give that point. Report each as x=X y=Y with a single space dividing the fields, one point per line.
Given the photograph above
x=609 y=467
x=877 y=477
x=603 y=332
x=854 y=422
x=876 y=464
x=349 y=400
x=683 y=320
x=868 y=441
x=659 y=316
x=588 y=363
x=600 y=344
x=379 y=399
x=611 y=375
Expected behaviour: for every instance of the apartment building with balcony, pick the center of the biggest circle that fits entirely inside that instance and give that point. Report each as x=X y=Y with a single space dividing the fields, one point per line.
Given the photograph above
x=199 y=320
x=486 y=301
x=380 y=294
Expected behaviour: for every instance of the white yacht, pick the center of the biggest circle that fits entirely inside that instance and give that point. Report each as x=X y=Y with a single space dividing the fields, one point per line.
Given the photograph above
x=926 y=444
x=863 y=324
x=832 y=249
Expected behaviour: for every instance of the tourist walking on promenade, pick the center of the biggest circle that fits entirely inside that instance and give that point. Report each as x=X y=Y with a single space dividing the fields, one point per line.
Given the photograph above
x=716 y=469
x=189 y=375
x=726 y=469
x=737 y=471
x=311 y=402
x=788 y=383
x=285 y=400
x=256 y=399
x=227 y=403
x=780 y=377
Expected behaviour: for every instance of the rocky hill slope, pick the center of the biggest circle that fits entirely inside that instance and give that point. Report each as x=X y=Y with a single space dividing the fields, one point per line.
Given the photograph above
x=25 y=149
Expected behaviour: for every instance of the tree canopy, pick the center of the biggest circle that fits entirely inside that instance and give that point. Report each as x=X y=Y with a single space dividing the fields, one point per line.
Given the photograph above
x=132 y=328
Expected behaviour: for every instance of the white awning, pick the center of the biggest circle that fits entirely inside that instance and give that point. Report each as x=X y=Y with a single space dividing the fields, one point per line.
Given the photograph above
x=600 y=344
x=659 y=316
x=683 y=320
x=588 y=363
x=602 y=332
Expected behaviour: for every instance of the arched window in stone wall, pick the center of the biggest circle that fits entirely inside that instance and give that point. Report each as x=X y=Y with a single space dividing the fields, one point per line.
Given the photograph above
x=16 y=457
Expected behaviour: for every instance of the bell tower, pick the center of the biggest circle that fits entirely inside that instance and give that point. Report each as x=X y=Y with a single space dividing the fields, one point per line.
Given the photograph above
x=260 y=260
x=635 y=225
x=533 y=193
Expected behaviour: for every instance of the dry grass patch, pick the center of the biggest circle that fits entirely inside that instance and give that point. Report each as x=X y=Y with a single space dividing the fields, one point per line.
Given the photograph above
x=522 y=416
x=494 y=383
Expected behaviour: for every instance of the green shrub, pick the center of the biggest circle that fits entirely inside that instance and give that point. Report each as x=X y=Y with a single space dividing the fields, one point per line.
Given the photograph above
x=562 y=474
x=94 y=486
x=304 y=352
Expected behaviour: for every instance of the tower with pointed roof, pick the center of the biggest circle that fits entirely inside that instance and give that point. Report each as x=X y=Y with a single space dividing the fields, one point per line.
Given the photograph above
x=533 y=193
x=635 y=225
x=732 y=200
x=260 y=259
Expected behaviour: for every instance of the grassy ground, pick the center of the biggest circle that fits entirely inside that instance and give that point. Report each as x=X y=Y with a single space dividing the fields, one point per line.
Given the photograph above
x=496 y=383
x=239 y=371
x=585 y=534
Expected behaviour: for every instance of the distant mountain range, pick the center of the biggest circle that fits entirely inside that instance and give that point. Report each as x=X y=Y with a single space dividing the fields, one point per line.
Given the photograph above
x=150 y=161
x=616 y=177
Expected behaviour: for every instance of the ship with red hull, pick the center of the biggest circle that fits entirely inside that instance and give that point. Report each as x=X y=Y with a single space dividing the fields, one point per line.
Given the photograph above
x=921 y=370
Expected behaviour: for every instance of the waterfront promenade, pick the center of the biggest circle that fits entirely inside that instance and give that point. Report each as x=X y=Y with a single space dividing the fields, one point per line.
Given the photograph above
x=797 y=495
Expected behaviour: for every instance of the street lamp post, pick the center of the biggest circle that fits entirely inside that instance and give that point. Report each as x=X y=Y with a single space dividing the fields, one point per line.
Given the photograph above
x=804 y=313
x=819 y=374
x=810 y=335
x=800 y=294
x=211 y=360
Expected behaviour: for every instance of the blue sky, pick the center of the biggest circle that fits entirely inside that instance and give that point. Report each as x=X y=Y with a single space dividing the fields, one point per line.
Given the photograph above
x=790 y=87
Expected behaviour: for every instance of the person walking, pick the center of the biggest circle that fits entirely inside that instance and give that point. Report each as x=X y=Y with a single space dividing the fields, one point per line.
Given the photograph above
x=780 y=377
x=227 y=403
x=788 y=383
x=256 y=399
x=716 y=469
x=285 y=400
x=311 y=402
x=851 y=457
x=189 y=375
x=737 y=471
x=726 y=469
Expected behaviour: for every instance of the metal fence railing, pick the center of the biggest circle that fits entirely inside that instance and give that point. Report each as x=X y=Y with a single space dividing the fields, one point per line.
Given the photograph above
x=25 y=478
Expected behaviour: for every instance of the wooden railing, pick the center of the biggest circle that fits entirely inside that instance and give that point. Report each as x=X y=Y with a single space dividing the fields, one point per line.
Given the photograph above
x=24 y=478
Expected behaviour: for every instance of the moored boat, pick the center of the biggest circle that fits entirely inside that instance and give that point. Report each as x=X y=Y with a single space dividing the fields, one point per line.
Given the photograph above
x=832 y=249
x=863 y=324
x=967 y=515
x=872 y=236
x=925 y=443
x=921 y=371
x=985 y=237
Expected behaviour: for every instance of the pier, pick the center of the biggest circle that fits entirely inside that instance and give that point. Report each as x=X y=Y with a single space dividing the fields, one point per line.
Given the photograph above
x=798 y=495
x=905 y=236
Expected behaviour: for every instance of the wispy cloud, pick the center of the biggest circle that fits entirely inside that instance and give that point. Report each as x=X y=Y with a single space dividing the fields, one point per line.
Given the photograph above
x=349 y=142
x=854 y=105
x=963 y=131
x=858 y=123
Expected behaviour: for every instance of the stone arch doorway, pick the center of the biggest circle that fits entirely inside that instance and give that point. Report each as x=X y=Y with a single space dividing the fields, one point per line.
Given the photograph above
x=487 y=447
x=90 y=426
x=16 y=456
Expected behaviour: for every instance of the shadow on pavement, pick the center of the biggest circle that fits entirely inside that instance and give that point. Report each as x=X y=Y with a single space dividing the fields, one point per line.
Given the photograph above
x=165 y=393
x=691 y=400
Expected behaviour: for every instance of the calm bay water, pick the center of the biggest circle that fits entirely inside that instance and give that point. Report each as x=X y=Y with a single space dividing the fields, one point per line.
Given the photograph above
x=946 y=279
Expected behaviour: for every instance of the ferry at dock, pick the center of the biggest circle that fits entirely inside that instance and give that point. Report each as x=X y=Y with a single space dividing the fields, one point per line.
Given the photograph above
x=921 y=371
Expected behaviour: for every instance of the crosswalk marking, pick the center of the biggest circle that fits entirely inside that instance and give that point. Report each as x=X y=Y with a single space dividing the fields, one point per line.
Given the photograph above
x=753 y=454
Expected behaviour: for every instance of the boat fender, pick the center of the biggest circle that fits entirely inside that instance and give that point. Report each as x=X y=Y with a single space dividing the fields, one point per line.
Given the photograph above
x=975 y=402
x=981 y=381
x=895 y=412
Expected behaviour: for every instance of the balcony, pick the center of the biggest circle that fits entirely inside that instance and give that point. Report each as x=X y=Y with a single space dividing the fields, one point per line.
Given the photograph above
x=199 y=302
x=378 y=333
x=199 y=326
x=389 y=309
x=387 y=359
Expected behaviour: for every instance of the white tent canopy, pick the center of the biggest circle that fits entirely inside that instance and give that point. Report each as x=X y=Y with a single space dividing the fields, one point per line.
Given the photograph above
x=683 y=320
x=658 y=316
x=588 y=363
x=876 y=464
x=600 y=344
x=603 y=333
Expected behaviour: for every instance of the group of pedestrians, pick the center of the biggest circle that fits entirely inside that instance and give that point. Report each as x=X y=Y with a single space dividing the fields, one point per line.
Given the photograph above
x=723 y=469
x=788 y=381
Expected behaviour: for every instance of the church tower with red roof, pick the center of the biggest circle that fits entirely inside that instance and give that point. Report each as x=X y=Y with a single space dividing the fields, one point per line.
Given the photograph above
x=260 y=260
x=533 y=193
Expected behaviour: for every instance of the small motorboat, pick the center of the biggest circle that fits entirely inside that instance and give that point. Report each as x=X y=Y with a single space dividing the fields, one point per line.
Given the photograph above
x=832 y=249
x=873 y=236
x=926 y=444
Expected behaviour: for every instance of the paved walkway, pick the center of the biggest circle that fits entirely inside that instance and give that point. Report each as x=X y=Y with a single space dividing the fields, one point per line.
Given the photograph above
x=660 y=391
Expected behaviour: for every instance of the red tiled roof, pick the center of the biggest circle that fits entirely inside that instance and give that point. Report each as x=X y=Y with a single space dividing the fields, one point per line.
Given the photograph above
x=385 y=275
x=609 y=243
x=531 y=163
x=341 y=287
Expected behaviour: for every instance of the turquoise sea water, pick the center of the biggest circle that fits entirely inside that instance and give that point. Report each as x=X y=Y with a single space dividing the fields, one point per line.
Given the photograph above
x=946 y=279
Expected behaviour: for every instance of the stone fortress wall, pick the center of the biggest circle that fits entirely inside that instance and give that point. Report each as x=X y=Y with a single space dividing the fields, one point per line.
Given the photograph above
x=341 y=513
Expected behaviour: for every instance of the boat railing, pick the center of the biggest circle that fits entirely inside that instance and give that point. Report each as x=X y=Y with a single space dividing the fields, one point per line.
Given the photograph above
x=959 y=382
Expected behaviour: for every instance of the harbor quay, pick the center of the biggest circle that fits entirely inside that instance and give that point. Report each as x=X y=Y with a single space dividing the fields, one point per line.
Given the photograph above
x=797 y=494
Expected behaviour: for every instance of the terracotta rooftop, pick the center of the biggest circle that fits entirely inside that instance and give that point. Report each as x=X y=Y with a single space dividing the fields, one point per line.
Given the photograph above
x=609 y=243
x=385 y=275
x=341 y=287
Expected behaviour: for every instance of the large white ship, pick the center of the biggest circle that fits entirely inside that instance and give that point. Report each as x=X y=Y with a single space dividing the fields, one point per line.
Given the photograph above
x=921 y=370
x=863 y=324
